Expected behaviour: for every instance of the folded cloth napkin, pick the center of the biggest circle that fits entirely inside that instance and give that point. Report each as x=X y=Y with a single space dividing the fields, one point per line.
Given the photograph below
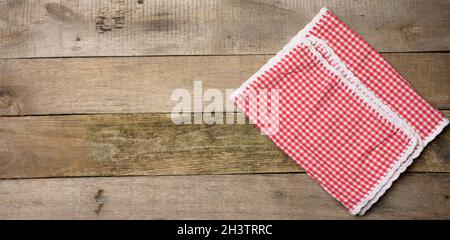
x=336 y=107
x=377 y=74
x=329 y=56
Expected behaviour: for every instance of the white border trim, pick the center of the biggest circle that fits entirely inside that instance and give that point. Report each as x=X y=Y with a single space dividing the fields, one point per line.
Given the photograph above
x=442 y=124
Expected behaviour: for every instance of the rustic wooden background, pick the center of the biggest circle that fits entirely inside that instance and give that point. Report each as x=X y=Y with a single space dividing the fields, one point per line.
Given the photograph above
x=85 y=98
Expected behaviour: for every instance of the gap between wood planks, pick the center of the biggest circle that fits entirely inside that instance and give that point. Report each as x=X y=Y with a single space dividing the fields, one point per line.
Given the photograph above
x=198 y=55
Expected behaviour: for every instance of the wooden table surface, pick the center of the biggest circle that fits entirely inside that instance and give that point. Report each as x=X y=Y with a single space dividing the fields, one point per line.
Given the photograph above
x=85 y=127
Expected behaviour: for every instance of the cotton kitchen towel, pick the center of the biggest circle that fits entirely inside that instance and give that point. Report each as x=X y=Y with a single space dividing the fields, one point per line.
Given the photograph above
x=322 y=113
x=377 y=74
x=334 y=61
x=326 y=125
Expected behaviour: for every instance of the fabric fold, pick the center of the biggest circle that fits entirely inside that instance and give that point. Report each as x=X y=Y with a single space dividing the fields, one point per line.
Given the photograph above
x=337 y=108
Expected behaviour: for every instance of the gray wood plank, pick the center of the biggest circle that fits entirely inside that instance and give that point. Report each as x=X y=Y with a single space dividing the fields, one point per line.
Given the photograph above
x=145 y=84
x=280 y=196
x=150 y=144
x=61 y=28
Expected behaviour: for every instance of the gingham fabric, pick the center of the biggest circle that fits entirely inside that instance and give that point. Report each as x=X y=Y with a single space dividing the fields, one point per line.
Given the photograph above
x=374 y=71
x=334 y=61
x=337 y=108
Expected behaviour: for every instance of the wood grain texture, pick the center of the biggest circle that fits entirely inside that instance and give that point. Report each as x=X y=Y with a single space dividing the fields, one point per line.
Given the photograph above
x=150 y=144
x=49 y=28
x=279 y=196
x=145 y=84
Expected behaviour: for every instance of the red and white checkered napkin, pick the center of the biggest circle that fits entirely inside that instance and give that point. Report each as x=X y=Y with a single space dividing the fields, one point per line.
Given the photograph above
x=336 y=107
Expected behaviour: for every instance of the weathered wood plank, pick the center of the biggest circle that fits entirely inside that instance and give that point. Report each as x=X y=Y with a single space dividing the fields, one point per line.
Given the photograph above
x=50 y=28
x=150 y=144
x=279 y=196
x=145 y=84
